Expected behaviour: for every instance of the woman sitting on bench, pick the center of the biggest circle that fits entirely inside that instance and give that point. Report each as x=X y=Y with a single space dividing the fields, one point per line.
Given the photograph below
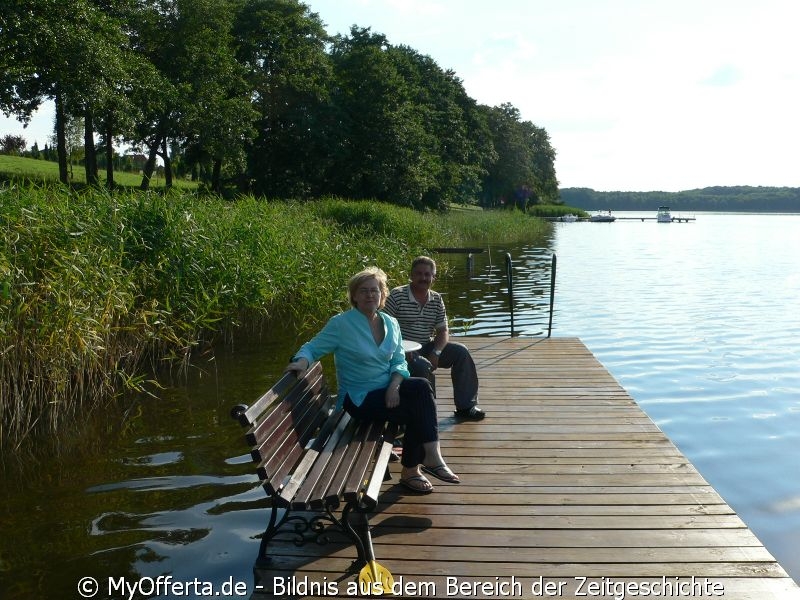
x=373 y=378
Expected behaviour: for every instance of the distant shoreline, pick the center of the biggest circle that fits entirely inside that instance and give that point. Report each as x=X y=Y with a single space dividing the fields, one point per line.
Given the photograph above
x=746 y=199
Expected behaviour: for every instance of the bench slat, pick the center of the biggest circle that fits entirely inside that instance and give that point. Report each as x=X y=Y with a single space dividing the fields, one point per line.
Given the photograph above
x=328 y=474
x=355 y=482
x=301 y=394
x=338 y=472
x=284 y=460
x=249 y=416
x=303 y=497
x=370 y=497
x=296 y=419
x=285 y=433
x=304 y=466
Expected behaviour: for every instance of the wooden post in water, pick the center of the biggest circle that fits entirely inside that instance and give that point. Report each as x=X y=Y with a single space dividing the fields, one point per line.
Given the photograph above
x=552 y=293
x=510 y=278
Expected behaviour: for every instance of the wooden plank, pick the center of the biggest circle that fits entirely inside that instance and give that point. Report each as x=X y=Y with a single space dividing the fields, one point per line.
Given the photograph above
x=635 y=559
x=566 y=499
x=566 y=479
x=627 y=522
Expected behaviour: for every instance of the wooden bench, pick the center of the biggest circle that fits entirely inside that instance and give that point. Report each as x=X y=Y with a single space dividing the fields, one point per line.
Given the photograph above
x=313 y=458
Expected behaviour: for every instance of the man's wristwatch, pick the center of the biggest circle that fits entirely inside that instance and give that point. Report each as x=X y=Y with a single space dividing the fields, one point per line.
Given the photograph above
x=437 y=352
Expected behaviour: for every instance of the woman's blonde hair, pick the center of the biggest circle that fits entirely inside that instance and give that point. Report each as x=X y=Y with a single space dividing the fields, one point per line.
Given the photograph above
x=357 y=280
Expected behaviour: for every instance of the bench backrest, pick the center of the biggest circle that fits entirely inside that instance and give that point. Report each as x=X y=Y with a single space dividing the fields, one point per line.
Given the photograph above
x=282 y=422
x=308 y=453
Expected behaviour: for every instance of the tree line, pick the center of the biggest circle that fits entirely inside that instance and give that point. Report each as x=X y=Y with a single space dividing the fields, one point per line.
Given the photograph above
x=255 y=96
x=715 y=198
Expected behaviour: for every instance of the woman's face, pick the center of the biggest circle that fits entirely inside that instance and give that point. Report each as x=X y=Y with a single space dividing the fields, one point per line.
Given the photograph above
x=368 y=296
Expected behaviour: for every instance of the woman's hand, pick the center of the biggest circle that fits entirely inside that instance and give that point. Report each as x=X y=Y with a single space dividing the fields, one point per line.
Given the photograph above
x=299 y=367
x=393 y=395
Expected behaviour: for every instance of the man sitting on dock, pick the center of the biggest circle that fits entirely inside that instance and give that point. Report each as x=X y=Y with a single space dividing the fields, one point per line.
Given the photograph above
x=423 y=319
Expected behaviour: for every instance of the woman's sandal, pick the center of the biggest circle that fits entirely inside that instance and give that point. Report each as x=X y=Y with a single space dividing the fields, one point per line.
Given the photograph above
x=442 y=472
x=418 y=484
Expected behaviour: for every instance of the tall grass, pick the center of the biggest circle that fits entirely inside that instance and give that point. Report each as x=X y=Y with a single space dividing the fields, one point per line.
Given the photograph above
x=96 y=289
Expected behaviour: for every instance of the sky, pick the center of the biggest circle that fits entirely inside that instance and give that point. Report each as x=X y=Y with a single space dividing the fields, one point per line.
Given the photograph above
x=636 y=95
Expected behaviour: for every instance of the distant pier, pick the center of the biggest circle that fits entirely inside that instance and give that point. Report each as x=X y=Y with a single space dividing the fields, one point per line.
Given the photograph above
x=586 y=220
x=672 y=219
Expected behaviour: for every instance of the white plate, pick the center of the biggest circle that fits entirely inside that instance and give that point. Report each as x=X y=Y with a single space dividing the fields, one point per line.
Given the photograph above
x=409 y=346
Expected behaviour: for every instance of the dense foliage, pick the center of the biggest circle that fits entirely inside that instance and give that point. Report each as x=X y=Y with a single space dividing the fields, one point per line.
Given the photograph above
x=254 y=96
x=730 y=199
x=96 y=288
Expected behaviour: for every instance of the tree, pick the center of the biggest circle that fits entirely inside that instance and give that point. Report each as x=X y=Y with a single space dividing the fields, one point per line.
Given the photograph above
x=19 y=94
x=524 y=170
x=282 y=47
x=157 y=95
x=461 y=141
x=543 y=156
x=64 y=50
x=405 y=130
x=381 y=146
x=199 y=97
x=29 y=62
x=255 y=91
x=12 y=144
x=217 y=115
x=106 y=107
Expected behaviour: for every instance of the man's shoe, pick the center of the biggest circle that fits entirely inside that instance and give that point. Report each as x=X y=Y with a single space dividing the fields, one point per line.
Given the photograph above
x=472 y=414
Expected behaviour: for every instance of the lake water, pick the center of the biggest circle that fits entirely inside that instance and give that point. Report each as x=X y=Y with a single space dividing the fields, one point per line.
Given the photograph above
x=698 y=321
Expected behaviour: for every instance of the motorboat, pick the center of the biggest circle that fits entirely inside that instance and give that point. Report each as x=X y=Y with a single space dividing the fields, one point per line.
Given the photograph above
x=603 y=216
x=569 y=218
x=663 y=215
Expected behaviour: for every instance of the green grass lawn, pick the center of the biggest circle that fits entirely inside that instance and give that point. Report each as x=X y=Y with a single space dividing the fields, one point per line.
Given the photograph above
x=31 y=169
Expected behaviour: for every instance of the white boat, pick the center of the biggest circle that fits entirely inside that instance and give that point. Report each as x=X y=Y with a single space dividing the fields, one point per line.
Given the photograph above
x=603 y=216
x=664 y=216
x=569 y=218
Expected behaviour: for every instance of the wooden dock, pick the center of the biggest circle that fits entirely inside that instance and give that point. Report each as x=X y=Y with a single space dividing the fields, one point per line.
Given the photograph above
x=568 y=491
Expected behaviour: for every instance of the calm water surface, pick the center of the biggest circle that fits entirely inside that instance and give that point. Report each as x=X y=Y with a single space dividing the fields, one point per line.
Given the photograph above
x=697 y=321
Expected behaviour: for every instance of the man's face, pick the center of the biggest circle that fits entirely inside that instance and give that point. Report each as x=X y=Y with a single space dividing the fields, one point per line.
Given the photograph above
x=422 y=277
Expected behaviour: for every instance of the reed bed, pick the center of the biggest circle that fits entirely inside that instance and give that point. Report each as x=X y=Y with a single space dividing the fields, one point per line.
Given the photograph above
x=98 y=289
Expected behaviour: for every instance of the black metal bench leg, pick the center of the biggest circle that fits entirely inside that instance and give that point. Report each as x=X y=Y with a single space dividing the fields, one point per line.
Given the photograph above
x=272 y=528
x=356 y=536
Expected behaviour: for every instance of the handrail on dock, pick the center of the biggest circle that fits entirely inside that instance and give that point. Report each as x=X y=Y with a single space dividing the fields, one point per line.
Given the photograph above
x=510 y=280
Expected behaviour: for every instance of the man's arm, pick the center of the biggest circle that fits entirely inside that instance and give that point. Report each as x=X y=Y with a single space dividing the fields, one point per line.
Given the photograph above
x=442 y=335
x=440 y=339
x=439 y=342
